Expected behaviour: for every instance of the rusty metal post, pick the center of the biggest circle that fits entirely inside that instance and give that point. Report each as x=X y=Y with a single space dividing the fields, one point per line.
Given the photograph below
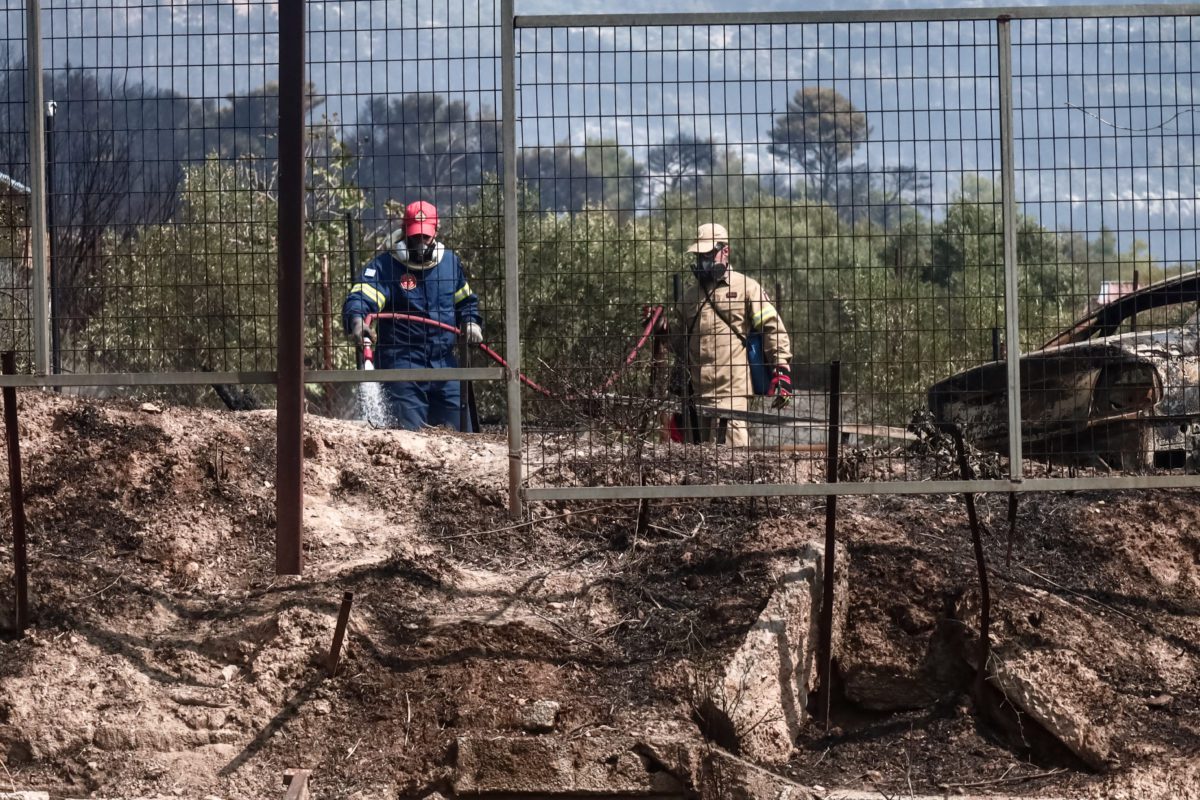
x=289 y=451
x=339 y=633
x=13 y=433
x=327 y=331
x=352 y=267
x=832 y=446
x=1012 y=528
x=985 y=596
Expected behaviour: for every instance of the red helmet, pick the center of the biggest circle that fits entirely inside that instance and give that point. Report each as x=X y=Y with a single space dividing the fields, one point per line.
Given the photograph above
x=420 y=217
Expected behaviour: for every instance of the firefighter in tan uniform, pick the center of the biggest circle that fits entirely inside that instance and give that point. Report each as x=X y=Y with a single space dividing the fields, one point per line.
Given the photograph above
x=709 y=333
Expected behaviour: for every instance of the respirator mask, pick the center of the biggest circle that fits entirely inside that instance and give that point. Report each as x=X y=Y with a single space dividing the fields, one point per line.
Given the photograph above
x=707 y=269
x=415 y=252
x=420 y=250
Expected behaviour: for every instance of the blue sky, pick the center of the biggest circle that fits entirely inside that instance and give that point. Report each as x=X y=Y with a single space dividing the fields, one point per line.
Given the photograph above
x=1082 y=92
x=688 y=6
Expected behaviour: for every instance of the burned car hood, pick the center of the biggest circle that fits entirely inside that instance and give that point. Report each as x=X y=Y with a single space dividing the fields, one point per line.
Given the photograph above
x=1063 y=388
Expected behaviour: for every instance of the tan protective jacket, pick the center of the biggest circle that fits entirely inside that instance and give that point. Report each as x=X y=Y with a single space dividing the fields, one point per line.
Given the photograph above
x=717 y=360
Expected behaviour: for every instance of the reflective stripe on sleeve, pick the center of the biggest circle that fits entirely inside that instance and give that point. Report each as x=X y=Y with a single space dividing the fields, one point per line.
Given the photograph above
x=372 y=294
x=462 y=294
x=767 y=312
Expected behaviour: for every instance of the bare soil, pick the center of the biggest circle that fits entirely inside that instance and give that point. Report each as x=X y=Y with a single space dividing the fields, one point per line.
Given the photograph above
x=167 y=659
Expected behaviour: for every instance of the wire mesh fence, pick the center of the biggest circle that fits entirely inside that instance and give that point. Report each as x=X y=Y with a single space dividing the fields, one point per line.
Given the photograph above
x=1106 y=169
x=857 y=172
x=160 y=164
x=404 y=111
x=823 y=168
x=710 y=212
x=15 y=242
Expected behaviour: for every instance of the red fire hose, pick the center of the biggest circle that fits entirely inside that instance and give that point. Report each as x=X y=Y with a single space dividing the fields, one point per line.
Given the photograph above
x=655 y=314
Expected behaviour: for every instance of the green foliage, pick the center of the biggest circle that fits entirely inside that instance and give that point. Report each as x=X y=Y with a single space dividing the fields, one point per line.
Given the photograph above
x=14 y=273
x=198 y=293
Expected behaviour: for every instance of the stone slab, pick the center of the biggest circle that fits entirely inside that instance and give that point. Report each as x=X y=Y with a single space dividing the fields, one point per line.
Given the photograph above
x=1065 y=697
x=546 y=765
x=761 y=694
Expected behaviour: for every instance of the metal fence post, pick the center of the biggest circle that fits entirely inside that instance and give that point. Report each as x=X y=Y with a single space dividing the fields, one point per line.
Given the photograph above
x=35 y=110
x=1011 y=277
x=13 y=437
x=289 y=452
x=512 y=294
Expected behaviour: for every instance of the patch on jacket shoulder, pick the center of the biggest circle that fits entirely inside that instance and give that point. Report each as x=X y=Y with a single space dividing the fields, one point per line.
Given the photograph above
x=731 y=295
x=369 y=273
x=408 y=282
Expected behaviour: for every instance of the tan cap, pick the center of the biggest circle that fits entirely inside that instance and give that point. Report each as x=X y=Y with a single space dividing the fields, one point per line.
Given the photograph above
x=708 y=236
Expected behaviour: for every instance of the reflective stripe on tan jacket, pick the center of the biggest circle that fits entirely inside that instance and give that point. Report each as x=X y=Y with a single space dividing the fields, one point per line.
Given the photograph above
x=718 y=362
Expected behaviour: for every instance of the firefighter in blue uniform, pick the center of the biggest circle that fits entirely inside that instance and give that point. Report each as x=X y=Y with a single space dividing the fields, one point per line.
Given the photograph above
x=417 y=275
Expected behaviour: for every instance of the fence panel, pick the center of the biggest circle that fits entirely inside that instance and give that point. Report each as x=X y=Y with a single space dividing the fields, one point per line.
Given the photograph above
x=405 y=108
x=855 y=169
x=16 y=259
x=161 y=155
x=1107 y=181
x=853 y=162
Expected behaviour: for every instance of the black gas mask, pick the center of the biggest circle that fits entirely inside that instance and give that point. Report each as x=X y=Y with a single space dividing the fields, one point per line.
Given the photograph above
x=706 y=269
x=420 y=251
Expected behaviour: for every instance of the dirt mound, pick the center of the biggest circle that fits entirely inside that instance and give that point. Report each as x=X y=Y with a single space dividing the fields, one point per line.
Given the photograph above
x=166 y=658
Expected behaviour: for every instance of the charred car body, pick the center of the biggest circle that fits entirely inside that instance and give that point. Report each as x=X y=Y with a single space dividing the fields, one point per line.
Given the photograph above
x=1119 y=389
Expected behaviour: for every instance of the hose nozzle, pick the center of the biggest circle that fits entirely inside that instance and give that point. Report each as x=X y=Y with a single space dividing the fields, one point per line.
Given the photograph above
x=368 y=353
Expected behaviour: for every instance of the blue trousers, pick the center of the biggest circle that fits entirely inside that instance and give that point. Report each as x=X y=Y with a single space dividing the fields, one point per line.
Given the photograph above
x=416 y=405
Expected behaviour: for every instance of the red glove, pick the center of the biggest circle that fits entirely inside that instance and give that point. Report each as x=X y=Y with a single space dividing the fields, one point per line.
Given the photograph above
x=781 y=386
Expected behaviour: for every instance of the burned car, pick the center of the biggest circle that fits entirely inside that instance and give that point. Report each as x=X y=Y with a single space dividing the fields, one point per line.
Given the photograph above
x=1119 y=389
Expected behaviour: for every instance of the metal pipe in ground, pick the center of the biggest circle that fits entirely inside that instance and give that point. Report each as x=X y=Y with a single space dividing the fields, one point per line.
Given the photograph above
x=339 y=633
x=985 y=597
x=12 y=431
x=833 y=446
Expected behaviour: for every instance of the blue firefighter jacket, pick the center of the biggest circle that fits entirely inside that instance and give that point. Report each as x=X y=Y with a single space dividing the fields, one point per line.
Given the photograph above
x=439 y=293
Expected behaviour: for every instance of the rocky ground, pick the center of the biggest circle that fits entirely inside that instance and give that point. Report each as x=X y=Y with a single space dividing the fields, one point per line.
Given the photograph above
x=167 y=659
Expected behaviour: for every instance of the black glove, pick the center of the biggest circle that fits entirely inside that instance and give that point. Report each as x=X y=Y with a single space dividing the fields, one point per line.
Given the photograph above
x=660 y=327
x=358 y=331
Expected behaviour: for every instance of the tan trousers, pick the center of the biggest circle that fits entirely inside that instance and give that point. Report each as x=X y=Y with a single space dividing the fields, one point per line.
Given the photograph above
x=736 y=432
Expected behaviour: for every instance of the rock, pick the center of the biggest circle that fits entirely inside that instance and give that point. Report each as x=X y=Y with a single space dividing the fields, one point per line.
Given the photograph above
x=538 y=717
x=547 y=765
x=736 y=779
x=150 y=408
x=311 y=447
x=1159 y=701
x=711 y=773
x=756 y=706
x=1065 y=697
